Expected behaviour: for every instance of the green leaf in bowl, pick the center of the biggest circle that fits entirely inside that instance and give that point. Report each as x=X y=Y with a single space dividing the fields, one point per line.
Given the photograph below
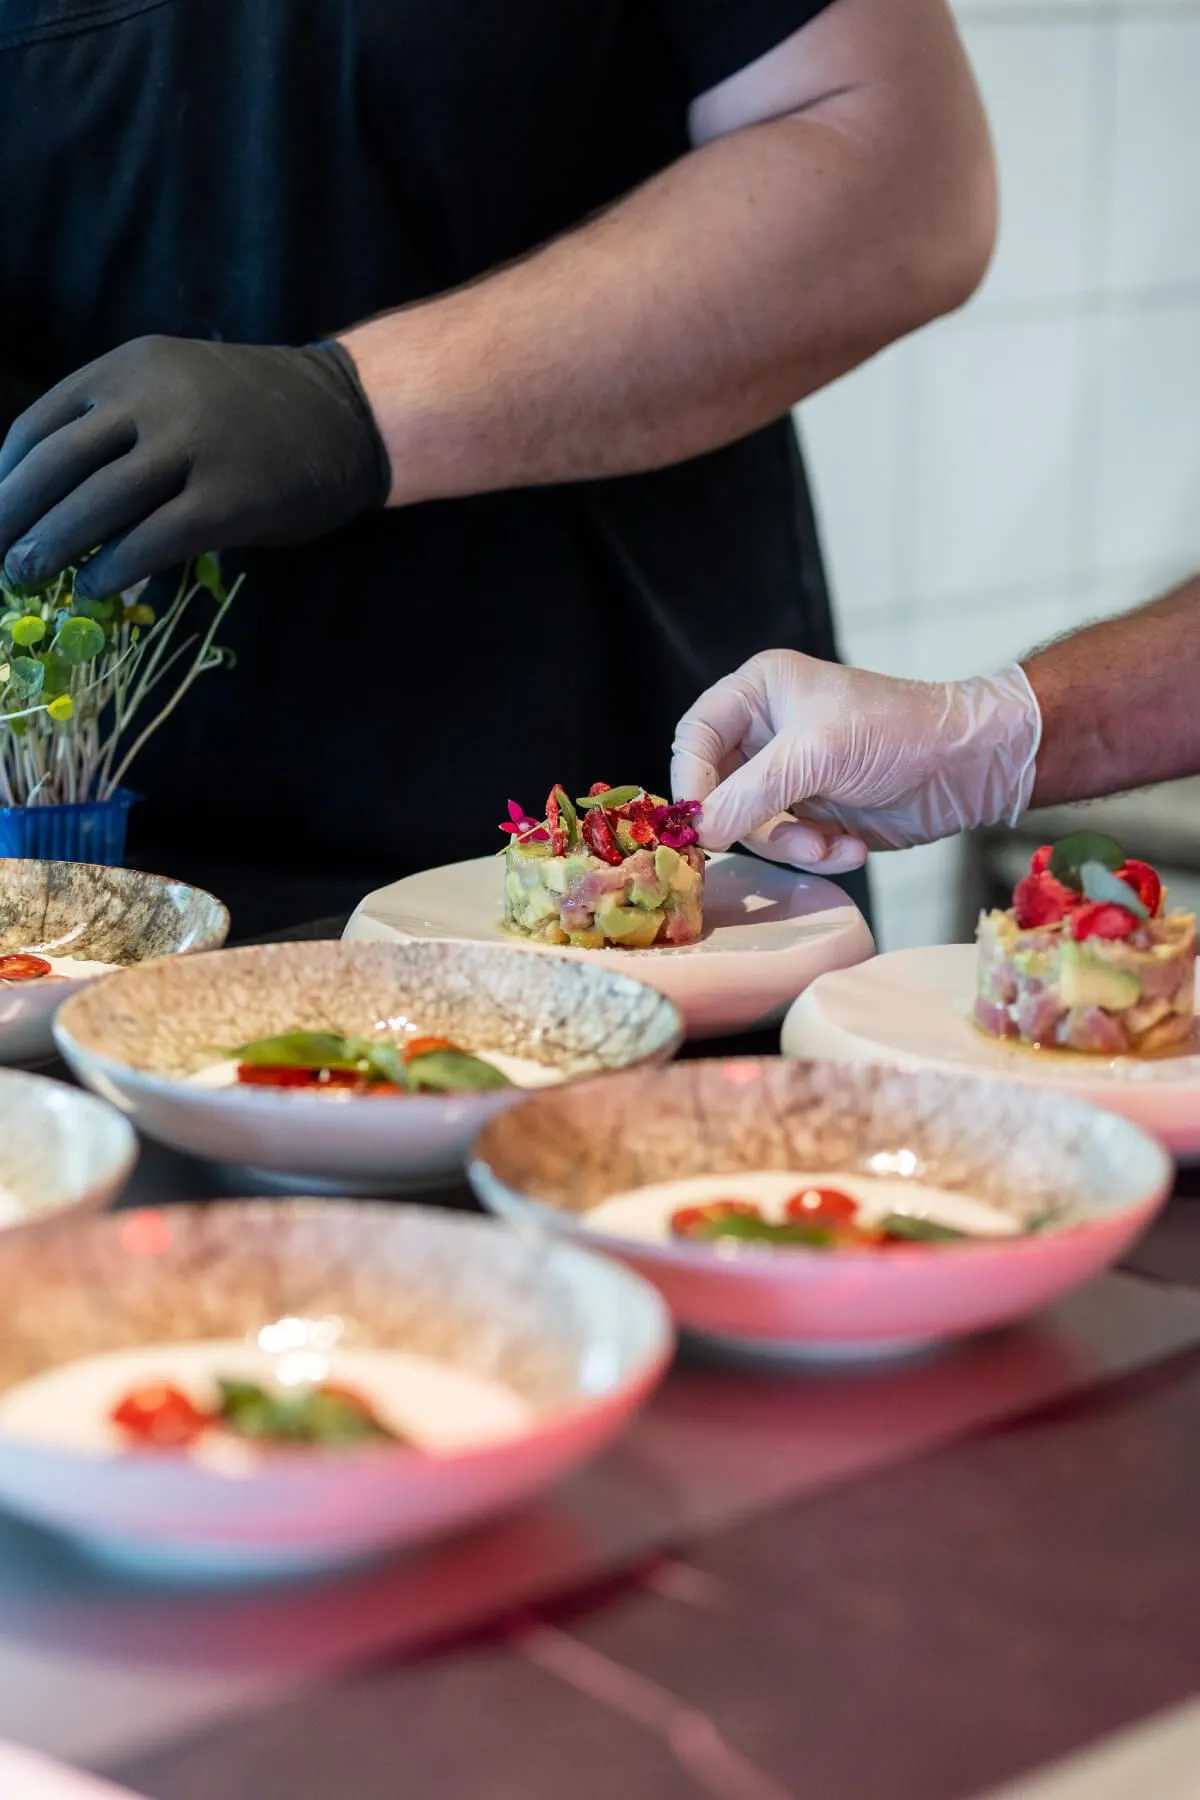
x=453 y=1072
x=1071 y=853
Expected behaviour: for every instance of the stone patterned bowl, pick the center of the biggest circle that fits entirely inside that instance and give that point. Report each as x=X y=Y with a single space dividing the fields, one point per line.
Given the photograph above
x=95 y=914
x=576 y=1337
x=136 y=1039
x=59 y=1150
x=1093 y=1178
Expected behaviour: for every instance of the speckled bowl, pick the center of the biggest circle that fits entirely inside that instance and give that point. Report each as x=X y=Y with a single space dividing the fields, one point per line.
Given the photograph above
x=59 y=1150
x=1098 y=1178
x=137 y=1038
x=581 y=1340
x=99 y=915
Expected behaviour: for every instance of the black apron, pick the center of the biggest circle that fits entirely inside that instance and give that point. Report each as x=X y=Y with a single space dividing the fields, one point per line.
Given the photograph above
x=267 y=171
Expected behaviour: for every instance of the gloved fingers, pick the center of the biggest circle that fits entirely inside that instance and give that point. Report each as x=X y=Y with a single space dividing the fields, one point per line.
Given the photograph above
x=710 y=736
x=804 y=845
x=770 y=783
x=51 y=471
x=105 y=506
x=172 y=535
x=51 y=412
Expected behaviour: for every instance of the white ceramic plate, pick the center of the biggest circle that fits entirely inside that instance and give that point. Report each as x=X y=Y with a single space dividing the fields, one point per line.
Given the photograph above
x=911 y=1009
x=1088 y=1181
x=59 y=1149
x=572 y=1342
x=769 y=933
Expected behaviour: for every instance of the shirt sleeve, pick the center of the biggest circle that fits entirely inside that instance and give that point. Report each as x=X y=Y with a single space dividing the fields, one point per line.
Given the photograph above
x=716 y=38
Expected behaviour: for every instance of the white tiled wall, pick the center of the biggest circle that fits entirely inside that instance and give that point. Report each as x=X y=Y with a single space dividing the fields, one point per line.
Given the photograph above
x=1035 y=461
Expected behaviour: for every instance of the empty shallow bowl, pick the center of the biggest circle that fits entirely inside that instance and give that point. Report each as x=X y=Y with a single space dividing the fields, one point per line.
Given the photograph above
x=506 y=1364
x=59 y=1149
x=141 y=1040
x=1074 y=1186
x=74 y=913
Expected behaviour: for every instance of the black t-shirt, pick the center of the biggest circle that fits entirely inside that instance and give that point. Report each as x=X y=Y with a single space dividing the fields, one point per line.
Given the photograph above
x=274 y=170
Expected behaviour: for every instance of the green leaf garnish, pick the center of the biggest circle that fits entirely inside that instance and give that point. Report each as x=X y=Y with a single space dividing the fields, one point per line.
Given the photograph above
x=301 y=1050
x=920 y=1231
x=1070 y=854
x=568 y=817
x=1100 y=884
x=208 y=574
x=311 y=1416
x=453 y=1072
x=749 y=1229
x=613 y=797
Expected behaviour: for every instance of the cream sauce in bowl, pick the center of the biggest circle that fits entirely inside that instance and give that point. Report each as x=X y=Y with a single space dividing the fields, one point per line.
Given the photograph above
x=644 y=1214
x=522 y=1071
x=433 y=1405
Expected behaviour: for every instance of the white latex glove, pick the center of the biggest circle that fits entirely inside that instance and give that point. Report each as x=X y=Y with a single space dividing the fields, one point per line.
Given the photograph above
x=813 y=764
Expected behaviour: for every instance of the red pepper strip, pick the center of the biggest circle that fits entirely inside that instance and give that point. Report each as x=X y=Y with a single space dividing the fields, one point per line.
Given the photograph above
x=425 y=1046
x=24 y=968
x=554 y=824
x=598 y=836
x=161 y=1416
x=256 y=1075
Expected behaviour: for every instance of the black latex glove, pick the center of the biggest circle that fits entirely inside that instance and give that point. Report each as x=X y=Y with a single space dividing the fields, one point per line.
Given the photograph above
x=168 y=447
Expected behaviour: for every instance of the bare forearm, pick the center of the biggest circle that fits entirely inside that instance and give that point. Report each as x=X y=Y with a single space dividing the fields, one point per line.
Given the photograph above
x=752 y=272
x=1120 y=702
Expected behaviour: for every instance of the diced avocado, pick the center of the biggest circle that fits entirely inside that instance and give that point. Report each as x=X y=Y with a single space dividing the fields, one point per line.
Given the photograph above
x=1087 y=980
x=684 y=879
x=586 y=940
x=666 y=861
x=627 y=844
x=628 y=925
x=533 y=905
x=649 y=895
x=554 y=875
x=1033 y=963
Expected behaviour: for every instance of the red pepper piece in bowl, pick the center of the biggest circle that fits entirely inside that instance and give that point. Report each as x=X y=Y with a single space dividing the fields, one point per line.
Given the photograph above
x=1145 y=883
x=1102 y=919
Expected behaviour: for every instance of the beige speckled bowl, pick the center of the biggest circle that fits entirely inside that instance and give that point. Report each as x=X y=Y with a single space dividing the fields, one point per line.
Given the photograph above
x=1096 y=1177
x=98 y=915
x=580 y=1340
x=137 y=1037
x=59 y=1149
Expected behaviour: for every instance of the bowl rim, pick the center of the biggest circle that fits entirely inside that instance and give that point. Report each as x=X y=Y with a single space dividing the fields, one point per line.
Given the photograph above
x=156 y=1082
x=220 y=928
x=752 y=1259
x=637 y=1384
x=121 y=1165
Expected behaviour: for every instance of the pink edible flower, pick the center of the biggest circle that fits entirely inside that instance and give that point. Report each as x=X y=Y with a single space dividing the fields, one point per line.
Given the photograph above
x=673 y=825
x=527 y=830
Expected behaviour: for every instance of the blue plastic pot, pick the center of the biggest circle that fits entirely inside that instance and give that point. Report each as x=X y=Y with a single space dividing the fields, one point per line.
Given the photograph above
x=93 y=832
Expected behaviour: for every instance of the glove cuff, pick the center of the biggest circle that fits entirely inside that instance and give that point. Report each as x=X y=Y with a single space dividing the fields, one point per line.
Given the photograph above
x=380 y=474
x=1001 y=724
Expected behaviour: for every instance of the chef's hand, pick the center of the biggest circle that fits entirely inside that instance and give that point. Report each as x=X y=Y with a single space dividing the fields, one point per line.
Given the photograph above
x=168 y=447
x=813 y=764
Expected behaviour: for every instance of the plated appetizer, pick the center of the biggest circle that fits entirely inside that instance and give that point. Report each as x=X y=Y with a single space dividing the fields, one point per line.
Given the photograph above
x=325 y=1063
x=770 y=1209
x=161 y=1416
x=618 y=868
x=1087 y=958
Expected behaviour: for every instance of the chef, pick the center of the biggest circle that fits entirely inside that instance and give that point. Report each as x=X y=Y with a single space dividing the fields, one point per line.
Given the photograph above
x=470 y=330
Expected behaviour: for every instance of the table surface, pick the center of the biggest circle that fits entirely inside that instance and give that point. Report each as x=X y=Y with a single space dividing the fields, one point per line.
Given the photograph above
x=916 y=1583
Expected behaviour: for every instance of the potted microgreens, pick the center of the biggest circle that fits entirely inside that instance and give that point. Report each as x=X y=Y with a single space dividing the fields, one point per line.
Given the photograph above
x=83 y=685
